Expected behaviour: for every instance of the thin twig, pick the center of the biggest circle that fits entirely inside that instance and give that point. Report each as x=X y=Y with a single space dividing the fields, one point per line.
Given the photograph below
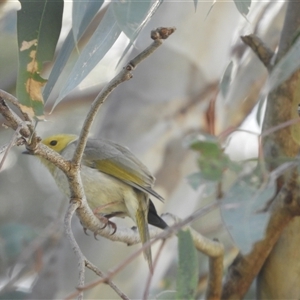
x=150 y=275
x=81 y=259
x=92 y=267
x=157 y=35
x=164 y=235
x=13 y=119
x=14 y=101
x=14 y=141
x=280 y=126
x=10 y=98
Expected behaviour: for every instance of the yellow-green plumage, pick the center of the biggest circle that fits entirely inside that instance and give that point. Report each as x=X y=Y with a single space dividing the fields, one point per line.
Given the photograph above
x=114 y=180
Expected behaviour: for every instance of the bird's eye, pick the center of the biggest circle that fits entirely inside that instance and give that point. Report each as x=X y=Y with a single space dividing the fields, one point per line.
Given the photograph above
x=53 y=142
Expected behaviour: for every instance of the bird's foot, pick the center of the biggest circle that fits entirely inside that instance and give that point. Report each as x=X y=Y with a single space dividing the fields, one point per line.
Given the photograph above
x=105 y=220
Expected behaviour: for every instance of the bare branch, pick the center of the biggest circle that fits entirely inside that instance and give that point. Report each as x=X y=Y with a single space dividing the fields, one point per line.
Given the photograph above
x=14 y=141
x=164 y=235
x=157 y=35
x=263 y=52
x=80 y=257
x=92 y=267
x=14 y=121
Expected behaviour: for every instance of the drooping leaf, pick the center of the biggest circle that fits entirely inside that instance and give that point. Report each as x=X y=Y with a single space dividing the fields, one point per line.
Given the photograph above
x=82 y=14
x=259 y=113
x=38 y=26
x=285 y=67
x=101 y=41
x=188 y=268
x=210 y=9
x=212 y=160
x=81 y=20
x=243 y=6
x=132 y=15
x=243 y=209
x=195 y=4
x=226 y=79
x=207 y=145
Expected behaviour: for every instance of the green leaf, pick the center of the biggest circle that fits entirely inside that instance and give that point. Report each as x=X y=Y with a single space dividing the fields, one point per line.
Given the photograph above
x=212 y=169
x=207 y=145
x=285 y=67
x=243 y=6
x=101 y=41
x=188 y=269
x=38 y=26
x=243 y=209
x=226 y=79
x=83 y=15
x=212 y=160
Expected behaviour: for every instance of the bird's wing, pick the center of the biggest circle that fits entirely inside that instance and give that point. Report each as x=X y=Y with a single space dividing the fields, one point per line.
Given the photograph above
x=119 y=162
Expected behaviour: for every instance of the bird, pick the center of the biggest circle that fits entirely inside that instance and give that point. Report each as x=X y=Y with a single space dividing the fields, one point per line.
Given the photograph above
x=115 y=181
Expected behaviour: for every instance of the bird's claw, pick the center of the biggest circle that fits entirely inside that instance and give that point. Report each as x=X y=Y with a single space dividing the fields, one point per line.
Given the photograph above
x=106 y=222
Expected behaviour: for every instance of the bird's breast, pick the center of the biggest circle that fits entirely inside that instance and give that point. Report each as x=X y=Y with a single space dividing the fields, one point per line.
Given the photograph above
x=104 y=193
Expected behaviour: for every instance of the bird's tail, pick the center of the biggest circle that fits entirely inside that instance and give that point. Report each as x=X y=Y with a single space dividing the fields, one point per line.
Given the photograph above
x=142 y=224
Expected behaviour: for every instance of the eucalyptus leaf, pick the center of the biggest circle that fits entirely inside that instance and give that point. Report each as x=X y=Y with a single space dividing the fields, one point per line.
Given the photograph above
x=188 y=268
x=197 y=180
x=101 y=41
x=38 y=27
x=132 y=15
x=243 y=210
x=195 y=4
x=210 y=9
x=243 y=6
x=207 y=145
x=83 y=15
x=259 y=113
x=226 y=80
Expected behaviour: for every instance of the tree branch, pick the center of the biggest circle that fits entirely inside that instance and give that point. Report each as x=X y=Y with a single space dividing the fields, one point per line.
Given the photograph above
x=245 y=268
x=157 y=35
x=263 y=52
x=200 y=242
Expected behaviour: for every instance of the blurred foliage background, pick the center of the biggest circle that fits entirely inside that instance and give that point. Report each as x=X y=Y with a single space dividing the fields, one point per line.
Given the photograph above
x=181 y=90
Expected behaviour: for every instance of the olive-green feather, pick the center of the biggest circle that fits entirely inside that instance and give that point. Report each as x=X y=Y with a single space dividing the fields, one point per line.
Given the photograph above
x=120 y=163
x=142 y=224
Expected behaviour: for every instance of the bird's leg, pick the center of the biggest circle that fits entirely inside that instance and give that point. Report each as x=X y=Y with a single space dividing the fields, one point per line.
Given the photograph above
x=105 y=218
